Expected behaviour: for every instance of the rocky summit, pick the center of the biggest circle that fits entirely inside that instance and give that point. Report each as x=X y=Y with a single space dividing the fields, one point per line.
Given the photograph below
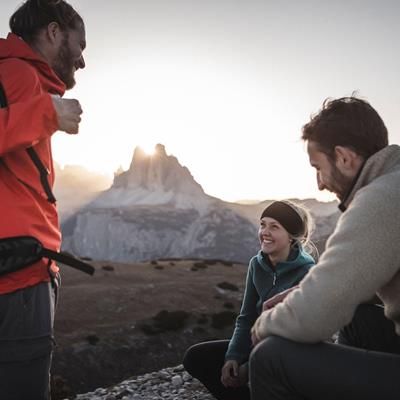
x=154 y=180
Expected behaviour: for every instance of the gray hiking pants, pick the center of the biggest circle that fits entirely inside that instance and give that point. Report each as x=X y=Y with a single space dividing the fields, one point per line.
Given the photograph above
x=26 y=341
x=365 y=366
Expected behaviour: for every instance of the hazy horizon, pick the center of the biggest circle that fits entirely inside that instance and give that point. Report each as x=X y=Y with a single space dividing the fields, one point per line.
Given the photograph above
x=226 y=85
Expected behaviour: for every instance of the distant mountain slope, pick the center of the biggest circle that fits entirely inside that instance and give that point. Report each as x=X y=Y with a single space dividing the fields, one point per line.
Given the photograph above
x=75 y=186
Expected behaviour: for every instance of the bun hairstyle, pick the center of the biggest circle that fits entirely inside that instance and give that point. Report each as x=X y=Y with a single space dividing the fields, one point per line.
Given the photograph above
x=297 y=220
x=34 y=15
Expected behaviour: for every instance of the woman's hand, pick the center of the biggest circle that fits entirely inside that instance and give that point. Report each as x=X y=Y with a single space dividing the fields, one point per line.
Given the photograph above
x=230 y=374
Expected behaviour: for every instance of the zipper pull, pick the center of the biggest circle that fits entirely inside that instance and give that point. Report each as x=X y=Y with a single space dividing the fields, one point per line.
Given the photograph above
x=273 y=283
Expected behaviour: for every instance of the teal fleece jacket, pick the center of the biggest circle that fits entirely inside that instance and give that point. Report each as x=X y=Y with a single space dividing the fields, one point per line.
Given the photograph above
x=262 y=283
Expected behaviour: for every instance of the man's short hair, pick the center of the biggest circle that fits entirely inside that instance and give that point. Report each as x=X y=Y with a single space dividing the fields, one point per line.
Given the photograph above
x=34 y=15
x=348 y=122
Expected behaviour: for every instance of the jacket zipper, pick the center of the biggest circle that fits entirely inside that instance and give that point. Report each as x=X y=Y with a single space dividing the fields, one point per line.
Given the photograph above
x=273 y=283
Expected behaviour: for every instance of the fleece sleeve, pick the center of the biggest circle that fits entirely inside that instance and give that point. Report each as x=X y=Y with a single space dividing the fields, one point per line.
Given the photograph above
x=30 y=116
x=240 y=345
x=361 y=256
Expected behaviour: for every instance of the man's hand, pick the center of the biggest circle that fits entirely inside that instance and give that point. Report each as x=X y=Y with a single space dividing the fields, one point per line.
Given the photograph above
x=278 y=298
x=230 y=374
x=268 y=305
x=68 y=114
x=254 y=338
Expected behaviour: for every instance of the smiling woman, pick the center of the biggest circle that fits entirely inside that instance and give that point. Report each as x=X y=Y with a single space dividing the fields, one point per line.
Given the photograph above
x=282 y=262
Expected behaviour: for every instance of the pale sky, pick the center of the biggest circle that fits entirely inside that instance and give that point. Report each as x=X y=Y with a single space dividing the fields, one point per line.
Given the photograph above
x=226 y=85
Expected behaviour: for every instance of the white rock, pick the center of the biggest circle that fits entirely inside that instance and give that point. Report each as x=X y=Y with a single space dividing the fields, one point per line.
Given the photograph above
x=177 y=381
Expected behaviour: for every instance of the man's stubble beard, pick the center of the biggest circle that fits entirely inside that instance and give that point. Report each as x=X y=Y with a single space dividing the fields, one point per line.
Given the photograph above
x=340 y=183
x=64 y=64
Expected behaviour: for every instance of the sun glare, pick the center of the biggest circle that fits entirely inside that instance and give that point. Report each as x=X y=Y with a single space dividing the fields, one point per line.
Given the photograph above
x=148 y=149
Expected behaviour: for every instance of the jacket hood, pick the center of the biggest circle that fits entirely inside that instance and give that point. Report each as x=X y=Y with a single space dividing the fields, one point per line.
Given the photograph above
x=381 y=163
x=298 y=258
x=15 y=47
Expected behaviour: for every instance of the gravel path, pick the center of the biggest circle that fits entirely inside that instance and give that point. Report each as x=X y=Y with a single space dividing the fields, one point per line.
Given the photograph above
x=167 y=384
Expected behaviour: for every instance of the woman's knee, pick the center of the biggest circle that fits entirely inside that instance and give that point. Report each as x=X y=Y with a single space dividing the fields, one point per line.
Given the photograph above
x=192 y=360
x=206 y=357
x=188 y=360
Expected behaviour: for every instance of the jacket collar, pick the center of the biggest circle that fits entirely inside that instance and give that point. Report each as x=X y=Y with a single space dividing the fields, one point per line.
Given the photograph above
x=380 y=163
x=298 y=258
x=15 y=47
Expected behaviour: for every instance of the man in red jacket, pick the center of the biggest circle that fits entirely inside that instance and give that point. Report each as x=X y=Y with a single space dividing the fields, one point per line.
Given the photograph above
x=38 y=61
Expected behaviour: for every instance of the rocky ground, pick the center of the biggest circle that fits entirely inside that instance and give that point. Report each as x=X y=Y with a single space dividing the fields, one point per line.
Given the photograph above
x=167 y=384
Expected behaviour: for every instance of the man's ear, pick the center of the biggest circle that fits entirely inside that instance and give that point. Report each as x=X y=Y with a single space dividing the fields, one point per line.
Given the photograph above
x=346 y=159
x=53 y=33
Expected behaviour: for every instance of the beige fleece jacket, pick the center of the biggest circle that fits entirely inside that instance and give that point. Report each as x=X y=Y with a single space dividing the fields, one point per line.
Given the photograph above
x=362 y=257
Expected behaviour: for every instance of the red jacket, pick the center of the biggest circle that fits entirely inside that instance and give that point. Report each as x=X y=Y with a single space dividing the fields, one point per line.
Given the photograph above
x=29 y=120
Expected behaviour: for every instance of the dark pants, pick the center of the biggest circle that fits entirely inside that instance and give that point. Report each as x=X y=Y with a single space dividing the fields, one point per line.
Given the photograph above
x=281 y=369
x=26 y=342
x=204 y=362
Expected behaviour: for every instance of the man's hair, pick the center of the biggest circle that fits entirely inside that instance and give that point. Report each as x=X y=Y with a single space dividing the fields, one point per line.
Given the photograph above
x=34 y=15
x=348 y=122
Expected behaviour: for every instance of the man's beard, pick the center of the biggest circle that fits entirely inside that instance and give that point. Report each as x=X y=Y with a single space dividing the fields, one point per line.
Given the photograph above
x=64 y=64
x=340 y=183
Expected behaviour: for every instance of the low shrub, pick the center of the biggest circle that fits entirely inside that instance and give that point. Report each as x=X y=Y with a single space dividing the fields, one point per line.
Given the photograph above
x=223 y=319
x=166 y=321
x=227 y=263
x=200 y=265
x=202 y=320
x=92 y=339
x=148 y=329
x=170 y=320
x=228 y=286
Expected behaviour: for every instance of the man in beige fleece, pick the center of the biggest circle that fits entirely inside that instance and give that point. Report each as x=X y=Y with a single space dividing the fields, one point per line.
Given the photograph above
x=347 y=143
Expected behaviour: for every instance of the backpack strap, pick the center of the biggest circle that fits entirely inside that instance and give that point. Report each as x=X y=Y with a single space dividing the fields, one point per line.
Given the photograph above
x=3 y=99
x=43 y=171
x=67 y=260
x=19 y=252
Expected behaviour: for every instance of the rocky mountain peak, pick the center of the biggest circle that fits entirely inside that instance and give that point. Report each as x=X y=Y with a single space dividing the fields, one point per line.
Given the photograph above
x=139 y=155
x=158 y=171
x=154 y=179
